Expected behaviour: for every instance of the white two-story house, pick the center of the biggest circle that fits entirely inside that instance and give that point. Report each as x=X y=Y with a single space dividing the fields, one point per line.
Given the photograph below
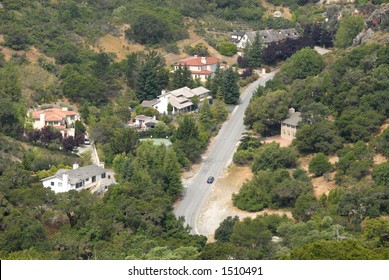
x=180 y=99
x=78 y=178
x=201 y=67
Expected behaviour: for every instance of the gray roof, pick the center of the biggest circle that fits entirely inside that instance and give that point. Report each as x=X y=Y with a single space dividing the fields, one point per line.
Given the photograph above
x=270 y=35
x=238 y=33
x=293 y=119
x=79 y=174
x=200 y=91
x=184 y=91
x=179 y=103
x=143 y=117
x=149 y=103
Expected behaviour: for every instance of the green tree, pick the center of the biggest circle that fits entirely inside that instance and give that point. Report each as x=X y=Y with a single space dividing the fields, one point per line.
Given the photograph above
x=227 y=48
x=149 y=29
x=320 y=137
x=335 y=250
x=152 y=77
x=147 y=86
x=376 y=231
x=264 y=113
x=224 y=231
x=230 y=87
x=320 y=165
x=123 y=140
x=381 y=174
x=306 y=62
x=18 y=38
x=305 y=207
x=206 y=117
x=349 y=28
x=253 y=52
x=272 y=156
x=182 y=77
x=251 y=234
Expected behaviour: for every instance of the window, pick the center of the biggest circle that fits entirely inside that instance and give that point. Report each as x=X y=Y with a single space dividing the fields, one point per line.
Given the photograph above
x=93 y=179
x=52 y=183
x=103 y=175
x=78 y=185
x=59 y=184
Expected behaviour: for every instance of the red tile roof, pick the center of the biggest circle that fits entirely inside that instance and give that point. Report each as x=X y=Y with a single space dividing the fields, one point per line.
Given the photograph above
x=203 y=72
x=53 y=114
x=197 y=61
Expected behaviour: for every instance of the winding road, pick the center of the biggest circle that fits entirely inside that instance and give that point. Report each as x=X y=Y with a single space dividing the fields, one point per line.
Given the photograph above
x=219 y=157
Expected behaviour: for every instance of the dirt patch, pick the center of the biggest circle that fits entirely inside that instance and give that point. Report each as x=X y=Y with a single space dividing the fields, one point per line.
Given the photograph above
x=117 y=45
x=383 y=127
x=193 y=40
x=285 y=12
x=320 y=185
x=218 y=205
x=323 y=186
x=283 y=142
x=378 y=159
x=32 y=55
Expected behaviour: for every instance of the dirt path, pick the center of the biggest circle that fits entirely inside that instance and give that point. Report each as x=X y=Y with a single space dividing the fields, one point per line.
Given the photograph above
x=218 y=205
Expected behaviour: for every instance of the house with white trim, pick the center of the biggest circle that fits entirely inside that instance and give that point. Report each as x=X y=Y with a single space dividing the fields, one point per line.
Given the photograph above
x=144 y=123
x=180 y=99
x=60 y=118
x=201 y=67
x=268 y=36
x=79 y=178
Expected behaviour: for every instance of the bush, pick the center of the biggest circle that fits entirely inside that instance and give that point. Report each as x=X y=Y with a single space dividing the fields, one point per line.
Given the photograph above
x=243 y=157
x=319 y=165
x=272 y=157
x=227 y=48
x=381 y=174
x=172 y=48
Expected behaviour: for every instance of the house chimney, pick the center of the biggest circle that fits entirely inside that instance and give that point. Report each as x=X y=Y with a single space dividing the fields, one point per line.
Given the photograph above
x=42 y=120
x=154 y=117
x=65 y=179
x=292 y=111
x=65 y=109
x=75 y=166
x=203 y=60
x=163 y=92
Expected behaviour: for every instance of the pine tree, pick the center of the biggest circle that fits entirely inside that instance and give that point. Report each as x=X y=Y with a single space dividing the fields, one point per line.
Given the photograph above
x=230 y=87
x=182 y=77
x=216 y=81
x=253 y=52
x=147 y=87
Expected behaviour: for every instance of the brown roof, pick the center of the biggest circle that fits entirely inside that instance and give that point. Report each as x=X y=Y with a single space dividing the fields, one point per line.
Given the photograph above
x=197 y=61
x=53 y=114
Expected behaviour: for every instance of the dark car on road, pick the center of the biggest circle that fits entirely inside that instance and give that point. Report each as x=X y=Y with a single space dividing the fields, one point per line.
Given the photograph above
x=210 y=179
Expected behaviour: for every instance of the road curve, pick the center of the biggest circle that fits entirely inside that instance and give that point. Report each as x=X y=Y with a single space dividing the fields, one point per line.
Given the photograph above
x=219 y=157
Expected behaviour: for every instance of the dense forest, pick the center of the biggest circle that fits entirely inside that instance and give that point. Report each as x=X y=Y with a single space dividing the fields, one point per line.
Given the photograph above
x=343 y=98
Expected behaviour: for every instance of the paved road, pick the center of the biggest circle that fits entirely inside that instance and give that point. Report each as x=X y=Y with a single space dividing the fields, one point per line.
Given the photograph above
x=196 y=188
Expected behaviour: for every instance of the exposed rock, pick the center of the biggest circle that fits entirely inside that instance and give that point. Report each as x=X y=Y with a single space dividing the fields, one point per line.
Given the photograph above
x=379 y=17
x=362 y=37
